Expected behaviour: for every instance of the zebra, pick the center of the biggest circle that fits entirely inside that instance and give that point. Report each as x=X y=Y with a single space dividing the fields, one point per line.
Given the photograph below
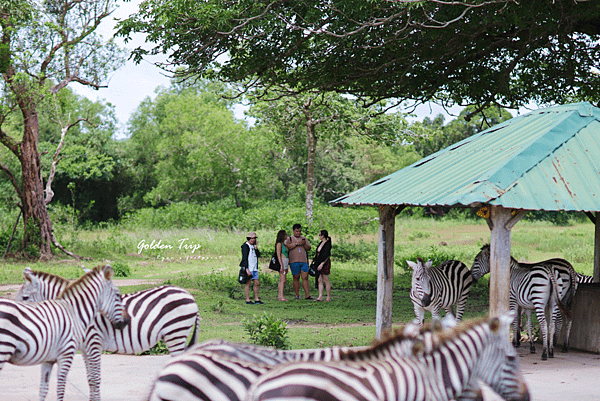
x=442 y=286
x=567 y=279
x=531 y=288
x=166 y=312
x=222 y=370
x=52 y=331
x=471 y=352
x=583 y=279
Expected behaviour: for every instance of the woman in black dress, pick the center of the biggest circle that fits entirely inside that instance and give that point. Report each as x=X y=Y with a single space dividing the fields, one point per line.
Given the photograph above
x=322 y=262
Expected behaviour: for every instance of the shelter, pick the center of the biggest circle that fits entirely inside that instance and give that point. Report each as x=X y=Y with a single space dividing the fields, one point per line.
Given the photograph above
x=547 y=159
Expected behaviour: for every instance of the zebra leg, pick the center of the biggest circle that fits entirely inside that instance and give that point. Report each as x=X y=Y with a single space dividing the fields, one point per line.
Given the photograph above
x=44 y=384
x=516 y=326
x=64 y=364
x=420 y=315
x=530 y=331
x=568 y=323
x=551 y=329
x=92 y=353
x=541 y=316
x=517 y=329
x=558 y=321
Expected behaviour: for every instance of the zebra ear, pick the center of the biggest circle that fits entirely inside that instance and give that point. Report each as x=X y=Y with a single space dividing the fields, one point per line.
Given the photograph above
x=108 y=272
x=428 y=264
x=412 y=265
x=28 y=274
x=418 y=347
x=507 y=319
x=411 y=330
x=86 y=270
x=449 y=321
x=502 y=323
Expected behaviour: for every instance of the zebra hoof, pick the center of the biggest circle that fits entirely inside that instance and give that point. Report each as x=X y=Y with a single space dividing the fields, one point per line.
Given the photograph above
x=544 y=356
x=532 y=349
x=551 y=353
x=565 y=348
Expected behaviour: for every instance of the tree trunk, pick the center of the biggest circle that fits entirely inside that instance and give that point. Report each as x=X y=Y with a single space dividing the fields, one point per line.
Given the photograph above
x=36 y=221
x=310 y=169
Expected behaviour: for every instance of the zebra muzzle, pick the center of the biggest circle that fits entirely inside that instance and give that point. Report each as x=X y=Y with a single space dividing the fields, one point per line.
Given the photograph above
x=426 y=300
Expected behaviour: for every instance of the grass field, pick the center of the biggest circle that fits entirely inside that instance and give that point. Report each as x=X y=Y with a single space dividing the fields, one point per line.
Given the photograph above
x=206 y=262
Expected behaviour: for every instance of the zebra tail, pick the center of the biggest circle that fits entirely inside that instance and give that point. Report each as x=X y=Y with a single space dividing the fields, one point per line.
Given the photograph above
x=565 y=310
x=194 y=338
x=573 y=288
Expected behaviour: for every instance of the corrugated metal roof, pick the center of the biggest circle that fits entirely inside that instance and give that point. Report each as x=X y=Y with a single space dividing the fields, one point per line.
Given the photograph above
x=548 y=159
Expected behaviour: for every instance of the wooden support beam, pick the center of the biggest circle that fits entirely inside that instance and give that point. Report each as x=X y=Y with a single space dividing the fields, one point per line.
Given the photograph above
x=385 y=270
x=502 y=221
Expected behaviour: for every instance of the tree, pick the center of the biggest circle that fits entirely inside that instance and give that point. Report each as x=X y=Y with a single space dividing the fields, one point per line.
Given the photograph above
x=497 y=52
x=305 y=118
x=186 y=145
x=45 y=47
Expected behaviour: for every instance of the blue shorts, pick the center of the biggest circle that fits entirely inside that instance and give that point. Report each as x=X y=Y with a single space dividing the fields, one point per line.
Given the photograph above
x=296 y=267
x=254 y=274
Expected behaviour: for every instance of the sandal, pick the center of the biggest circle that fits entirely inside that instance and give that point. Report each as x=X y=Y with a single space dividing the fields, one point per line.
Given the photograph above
x=309 y=297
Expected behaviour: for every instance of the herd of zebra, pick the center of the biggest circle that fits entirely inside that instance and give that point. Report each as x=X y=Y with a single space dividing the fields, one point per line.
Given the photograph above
x=52 y=318
x=546 y=288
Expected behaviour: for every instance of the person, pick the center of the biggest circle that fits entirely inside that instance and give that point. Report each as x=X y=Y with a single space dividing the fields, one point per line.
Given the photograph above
x=298 y=246
x=322 y=262
x=250 y=255
x=283 y=256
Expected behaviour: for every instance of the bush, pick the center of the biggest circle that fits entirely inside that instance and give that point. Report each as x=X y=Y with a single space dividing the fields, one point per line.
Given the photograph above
x=267 y=330
x=121 y=269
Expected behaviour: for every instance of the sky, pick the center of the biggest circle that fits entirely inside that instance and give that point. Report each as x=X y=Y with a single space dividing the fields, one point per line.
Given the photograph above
x=132 y=83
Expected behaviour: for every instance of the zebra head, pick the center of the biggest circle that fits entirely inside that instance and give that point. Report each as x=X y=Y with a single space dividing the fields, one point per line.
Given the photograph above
x=499 y=365
x=421 y=283
x=481 y=264
x=110 y=303
x=40 y=286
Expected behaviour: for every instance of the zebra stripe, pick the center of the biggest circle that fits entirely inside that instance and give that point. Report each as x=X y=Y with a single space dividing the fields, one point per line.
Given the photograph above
x=583 y=279
x=52 y=331
x=163 y=313
x=442 y=286
x=566 y=277
x=225 y=364
x=441 y=373
x=533 y=287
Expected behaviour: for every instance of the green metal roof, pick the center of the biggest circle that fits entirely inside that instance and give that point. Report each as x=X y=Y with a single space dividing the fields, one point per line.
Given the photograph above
x=548 y=159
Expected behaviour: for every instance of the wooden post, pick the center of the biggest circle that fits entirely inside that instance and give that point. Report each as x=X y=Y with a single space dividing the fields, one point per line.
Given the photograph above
x=385 y=270
x=502 y=221
x=597 y=249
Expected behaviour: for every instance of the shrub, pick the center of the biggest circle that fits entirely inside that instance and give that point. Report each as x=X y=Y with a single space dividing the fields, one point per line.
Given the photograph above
x=159 y=349
x=267 y=330
x=121 y=269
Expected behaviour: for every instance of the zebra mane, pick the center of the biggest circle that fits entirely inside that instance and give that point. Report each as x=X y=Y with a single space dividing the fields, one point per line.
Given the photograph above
x=486 y=247
x=49 y=277
x=80 y=281
x=440 y=338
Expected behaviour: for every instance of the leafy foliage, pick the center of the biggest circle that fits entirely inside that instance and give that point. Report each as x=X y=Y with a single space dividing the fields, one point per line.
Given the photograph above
x=465 y=52
x=267 y=330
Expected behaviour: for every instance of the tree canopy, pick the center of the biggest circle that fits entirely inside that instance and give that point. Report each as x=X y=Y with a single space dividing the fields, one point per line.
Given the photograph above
x=500 y=52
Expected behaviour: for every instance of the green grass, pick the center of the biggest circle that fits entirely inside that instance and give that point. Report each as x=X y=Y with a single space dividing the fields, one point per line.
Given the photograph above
x=209 y=271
